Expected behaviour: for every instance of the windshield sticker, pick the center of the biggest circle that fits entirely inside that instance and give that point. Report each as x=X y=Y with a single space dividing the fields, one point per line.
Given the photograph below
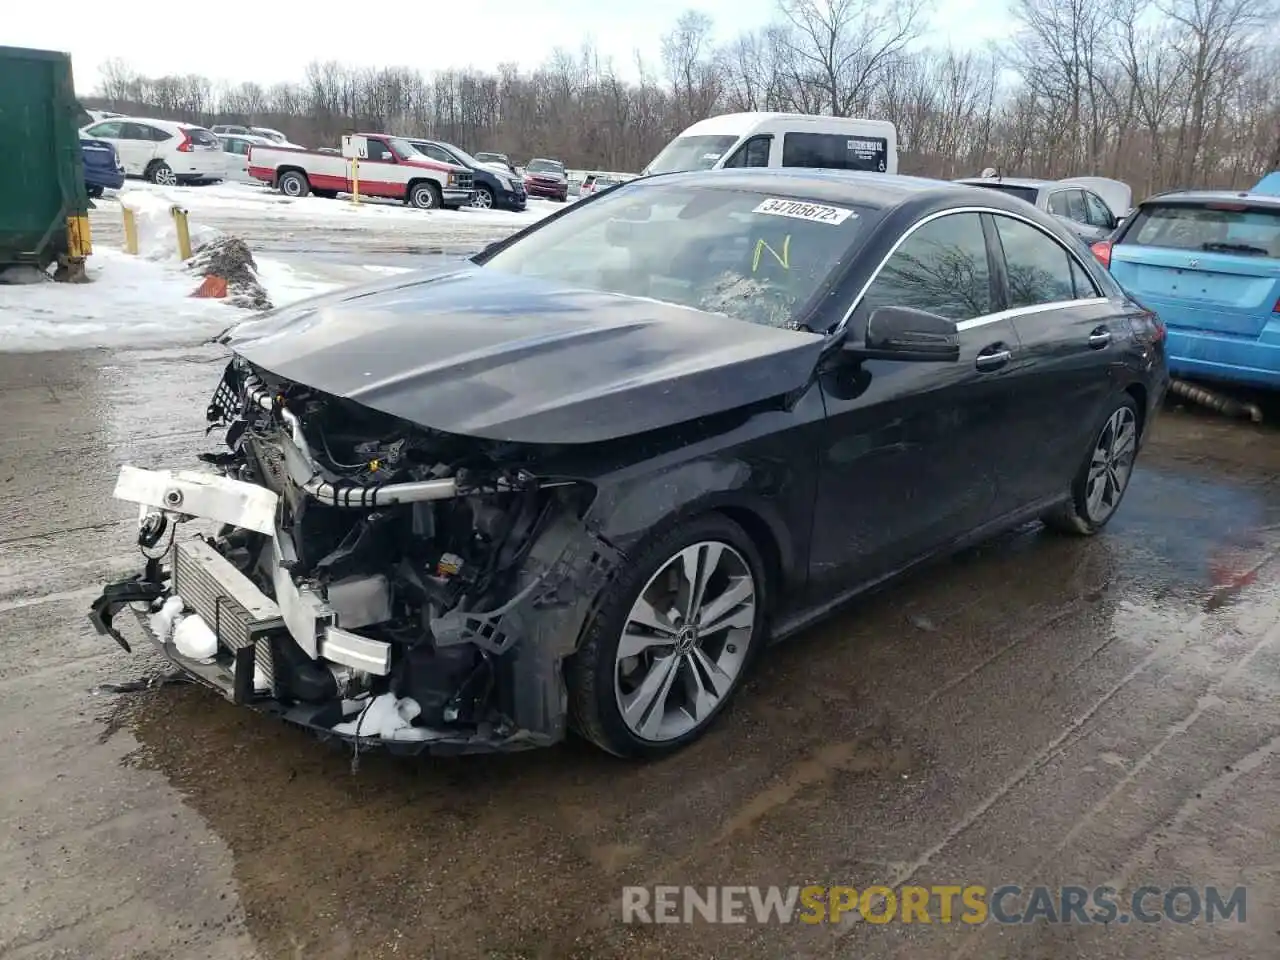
x=817 y=212
x=711 y=156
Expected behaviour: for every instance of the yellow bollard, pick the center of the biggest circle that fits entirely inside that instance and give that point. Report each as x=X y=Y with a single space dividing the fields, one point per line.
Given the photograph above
x=130 y=231
x=184 y=234
x=79 y=238
x=355 y=180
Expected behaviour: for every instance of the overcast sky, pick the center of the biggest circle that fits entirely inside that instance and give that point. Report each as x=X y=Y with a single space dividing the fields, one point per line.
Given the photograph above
x=237 y=40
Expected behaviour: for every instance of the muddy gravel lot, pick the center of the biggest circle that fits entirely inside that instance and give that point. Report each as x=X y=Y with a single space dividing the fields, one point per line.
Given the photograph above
x=1037 y=711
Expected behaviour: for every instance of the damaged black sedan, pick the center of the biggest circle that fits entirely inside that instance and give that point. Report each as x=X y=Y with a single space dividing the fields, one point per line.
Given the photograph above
x=579 y=481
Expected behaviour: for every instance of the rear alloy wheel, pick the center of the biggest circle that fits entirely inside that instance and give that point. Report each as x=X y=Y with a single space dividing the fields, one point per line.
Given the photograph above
x=294 y=184
x=163 y=175
x=1103 y=478
x=672 y=641
x=425 y=196
x=484 y=198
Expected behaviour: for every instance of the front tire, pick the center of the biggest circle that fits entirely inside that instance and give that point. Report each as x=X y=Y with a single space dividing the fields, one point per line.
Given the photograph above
x=424 y=196
x=671 y=642
x=1100 y=483
x=484 y=198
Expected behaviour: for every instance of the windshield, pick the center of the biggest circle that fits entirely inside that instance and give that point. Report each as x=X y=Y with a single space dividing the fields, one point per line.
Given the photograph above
x=1212 y=227
x=403 y=149
x=691 y=153
x=545 y=166
x=466 y=158
x=752 y=256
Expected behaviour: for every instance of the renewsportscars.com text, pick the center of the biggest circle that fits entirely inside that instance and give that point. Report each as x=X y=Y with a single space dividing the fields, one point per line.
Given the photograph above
x=970 y=904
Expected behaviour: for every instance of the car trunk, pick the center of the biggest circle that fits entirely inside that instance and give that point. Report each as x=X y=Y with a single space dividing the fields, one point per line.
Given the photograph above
x=1208 y=267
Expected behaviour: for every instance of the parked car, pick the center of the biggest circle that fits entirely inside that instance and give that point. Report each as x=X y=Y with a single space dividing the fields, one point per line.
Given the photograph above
x=546 y=178
x=102 y=167
x=492 y=188
x=1208 y=262
x=392 y=169
x=593 y=183
x=162 y=151
x=497 y=159
x=759 y=139
x=584 y=478
x=265 y=133
x=237 y=147
x=1079 y=207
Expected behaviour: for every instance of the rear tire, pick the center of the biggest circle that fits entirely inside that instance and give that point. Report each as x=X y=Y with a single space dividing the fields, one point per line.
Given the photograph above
x=1103 y=478
x=293 y=184
x=424 y=196
x=709 y=667
x=161 y=173
x=94 y=192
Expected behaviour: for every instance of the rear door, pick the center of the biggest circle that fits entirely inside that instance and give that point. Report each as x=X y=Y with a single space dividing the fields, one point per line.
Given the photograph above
x=1069 y=335
x=137 y=147
x=1204 y=266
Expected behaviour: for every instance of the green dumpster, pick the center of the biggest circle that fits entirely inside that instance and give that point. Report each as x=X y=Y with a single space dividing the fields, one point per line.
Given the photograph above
x=43 y=204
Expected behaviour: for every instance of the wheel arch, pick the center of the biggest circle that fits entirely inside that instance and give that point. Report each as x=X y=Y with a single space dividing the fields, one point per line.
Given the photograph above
x=291 y=168
x=1139 y=394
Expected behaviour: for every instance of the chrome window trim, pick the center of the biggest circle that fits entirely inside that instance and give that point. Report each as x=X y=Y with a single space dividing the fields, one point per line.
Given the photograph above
x=985 y=318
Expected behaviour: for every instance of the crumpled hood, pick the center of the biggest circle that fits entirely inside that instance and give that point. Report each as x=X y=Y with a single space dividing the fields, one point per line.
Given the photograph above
x=486 y=354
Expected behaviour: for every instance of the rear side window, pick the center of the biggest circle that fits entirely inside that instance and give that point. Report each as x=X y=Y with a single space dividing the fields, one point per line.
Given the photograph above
x=1038 y=267
x=941 y=267
x=835 y=151
x=1215 y=228
x=1022 y=193
x=1069 y=204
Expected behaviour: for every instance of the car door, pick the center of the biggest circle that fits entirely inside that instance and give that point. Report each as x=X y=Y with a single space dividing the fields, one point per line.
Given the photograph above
x=910 y=453
x=1069 y=336
x=141 y=142
x=378 y=174
x=236 y=150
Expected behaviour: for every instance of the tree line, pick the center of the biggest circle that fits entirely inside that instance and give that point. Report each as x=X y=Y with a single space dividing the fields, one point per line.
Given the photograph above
x=1160 y=93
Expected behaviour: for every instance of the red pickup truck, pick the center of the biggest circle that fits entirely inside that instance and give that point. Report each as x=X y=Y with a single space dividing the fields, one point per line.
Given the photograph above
x=386 y=167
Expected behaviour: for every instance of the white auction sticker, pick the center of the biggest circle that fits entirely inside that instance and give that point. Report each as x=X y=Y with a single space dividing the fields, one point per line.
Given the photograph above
x=800 y=210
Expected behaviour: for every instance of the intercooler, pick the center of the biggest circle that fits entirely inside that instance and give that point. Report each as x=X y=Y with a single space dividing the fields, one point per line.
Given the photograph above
x=240 y=615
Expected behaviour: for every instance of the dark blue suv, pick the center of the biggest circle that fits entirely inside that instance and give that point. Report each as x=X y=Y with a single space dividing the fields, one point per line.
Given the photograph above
x=494 y=187
x=102 y=167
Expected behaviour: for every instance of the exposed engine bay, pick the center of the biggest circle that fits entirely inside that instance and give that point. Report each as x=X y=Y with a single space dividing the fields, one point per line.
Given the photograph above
x=364 y=576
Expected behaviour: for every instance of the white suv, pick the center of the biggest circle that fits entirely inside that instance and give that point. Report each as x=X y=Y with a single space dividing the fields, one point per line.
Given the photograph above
x=163 y=151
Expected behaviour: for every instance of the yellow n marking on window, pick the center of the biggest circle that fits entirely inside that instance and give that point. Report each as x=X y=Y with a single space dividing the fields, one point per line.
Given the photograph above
x=784 y=258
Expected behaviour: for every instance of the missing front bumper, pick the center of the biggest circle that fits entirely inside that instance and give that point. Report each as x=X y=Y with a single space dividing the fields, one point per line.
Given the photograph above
x=247 y=624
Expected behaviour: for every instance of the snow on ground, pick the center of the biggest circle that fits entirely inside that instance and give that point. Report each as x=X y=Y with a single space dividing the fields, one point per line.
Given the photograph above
x=133 y=301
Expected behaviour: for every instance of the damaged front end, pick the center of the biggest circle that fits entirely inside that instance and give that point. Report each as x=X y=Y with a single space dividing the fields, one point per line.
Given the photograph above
x=364 y=577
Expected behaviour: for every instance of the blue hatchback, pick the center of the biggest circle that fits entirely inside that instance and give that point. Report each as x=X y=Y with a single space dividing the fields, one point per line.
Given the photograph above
x=102 y=167
x=1208 y=263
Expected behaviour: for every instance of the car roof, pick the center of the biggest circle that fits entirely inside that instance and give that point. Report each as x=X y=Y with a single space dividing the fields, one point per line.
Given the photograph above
x=1031 y=183
x=1214 y=196
x=879 y=190
x=545 y=160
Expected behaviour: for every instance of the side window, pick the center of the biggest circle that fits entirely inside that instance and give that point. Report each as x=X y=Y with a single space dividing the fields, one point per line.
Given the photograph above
x=435 y=153
x=1039 y=268
x=110 y=130
x=1058 y=203
x=941 y=267
x=133 y=131
x=753 y=153
x=378 y=150
x=1098 y=212
x=1084 y=286
x=1075 y=206
x=154 y=134
x=834 y=151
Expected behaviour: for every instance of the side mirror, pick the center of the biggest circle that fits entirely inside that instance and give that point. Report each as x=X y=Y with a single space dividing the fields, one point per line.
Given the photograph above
x=904 y=333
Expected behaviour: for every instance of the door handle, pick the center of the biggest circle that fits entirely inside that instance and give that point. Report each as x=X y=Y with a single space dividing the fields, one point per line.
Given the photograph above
x=993 y=358
x=1099 y=338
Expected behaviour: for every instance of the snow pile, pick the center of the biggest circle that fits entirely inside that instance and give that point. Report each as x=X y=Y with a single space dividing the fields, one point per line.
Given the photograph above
x=229 y=259
x=388 y=717
x=157 y=231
